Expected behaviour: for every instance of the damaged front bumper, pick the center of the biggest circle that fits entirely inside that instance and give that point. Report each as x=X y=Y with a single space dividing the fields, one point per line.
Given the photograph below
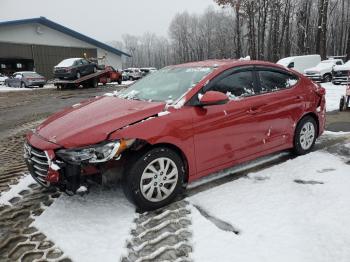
x=68 y=169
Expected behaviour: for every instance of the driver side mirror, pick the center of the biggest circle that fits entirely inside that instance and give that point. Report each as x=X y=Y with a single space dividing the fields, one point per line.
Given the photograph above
x=211 y=98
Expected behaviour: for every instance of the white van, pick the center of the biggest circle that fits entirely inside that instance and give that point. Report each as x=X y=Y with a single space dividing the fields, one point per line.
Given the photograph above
x=300 y=63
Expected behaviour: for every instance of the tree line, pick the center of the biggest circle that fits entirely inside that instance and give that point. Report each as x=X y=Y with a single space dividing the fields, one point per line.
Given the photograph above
x=263 y=29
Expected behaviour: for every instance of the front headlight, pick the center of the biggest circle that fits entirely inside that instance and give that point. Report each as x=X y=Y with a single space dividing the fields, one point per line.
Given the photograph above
x=95 y=154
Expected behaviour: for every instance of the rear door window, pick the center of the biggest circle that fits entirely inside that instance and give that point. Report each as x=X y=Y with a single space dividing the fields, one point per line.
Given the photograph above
x=271 y=80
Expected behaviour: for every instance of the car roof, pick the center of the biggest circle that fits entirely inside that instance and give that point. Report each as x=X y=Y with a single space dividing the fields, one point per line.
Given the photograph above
x=227 y=63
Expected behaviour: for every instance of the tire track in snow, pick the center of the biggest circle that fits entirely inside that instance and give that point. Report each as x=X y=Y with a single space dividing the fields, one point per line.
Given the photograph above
x=161 y=235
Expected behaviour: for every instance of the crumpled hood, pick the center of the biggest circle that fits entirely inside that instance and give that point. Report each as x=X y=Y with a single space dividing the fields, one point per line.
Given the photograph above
x=91 y=122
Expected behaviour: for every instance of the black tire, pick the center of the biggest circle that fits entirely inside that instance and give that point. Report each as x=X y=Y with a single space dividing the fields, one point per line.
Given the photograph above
x=135 y=169
x=78 y=75
x=341 y=103
x=120 y=81
x=94 y=83
x=41 y=86
x=299 y=149
x=327 y=78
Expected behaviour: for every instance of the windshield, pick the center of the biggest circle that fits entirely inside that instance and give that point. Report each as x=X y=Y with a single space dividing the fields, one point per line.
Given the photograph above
x=166 y=85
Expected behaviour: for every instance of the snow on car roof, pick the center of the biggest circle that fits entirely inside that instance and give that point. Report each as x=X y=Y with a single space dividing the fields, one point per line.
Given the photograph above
x=67 y=62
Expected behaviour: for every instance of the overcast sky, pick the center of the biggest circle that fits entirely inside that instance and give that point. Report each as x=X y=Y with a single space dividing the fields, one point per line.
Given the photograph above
x=105 y=20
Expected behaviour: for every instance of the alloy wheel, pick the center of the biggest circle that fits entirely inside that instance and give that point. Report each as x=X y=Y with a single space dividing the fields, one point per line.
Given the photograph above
x=307 y=135
x=159 y=179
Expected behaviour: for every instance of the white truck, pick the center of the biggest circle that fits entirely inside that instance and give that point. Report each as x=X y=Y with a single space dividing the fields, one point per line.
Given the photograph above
x=341 y=74
x=300 y=63
x=322 y=72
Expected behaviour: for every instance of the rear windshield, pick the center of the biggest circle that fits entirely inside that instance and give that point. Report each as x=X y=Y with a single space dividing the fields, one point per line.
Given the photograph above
x=67 y=62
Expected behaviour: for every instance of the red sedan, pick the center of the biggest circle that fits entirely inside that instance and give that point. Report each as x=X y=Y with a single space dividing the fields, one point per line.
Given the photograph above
x=179 y=124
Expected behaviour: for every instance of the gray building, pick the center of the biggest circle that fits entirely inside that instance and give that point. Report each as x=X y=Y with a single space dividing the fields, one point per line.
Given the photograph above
x=40 y=44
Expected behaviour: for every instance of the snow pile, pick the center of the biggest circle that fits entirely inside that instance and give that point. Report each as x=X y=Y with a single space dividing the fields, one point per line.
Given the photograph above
x=333 y=95
x=90 y=228
x=16 y=189
x=295 y=211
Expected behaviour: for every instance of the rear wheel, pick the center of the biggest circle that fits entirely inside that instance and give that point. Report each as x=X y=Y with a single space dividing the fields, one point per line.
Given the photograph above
x=154 y=179
x=342 y=103
x=305 y=135
x=119 y=81
x=131 y=78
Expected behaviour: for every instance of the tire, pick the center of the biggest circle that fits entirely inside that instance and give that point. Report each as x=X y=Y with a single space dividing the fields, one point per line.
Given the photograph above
x=327 y=78
x=41 y=86
x=119 y=81
x=131 y=78
x=23 y=85
x=305 y=135
x=78 y=75
x=342 y=103
x=147 y=190
x=94 y=83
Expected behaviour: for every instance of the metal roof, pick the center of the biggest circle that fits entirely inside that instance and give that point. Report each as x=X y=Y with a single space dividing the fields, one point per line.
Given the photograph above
x=44 y=21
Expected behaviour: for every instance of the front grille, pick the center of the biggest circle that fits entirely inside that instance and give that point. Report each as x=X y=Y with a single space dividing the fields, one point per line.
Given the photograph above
x=38 y=164
x=341 y=73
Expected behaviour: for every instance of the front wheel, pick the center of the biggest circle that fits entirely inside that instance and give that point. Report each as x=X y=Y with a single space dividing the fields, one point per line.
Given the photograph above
x=154 y=179
x=78 y=75
x=305 y=135
x=327 y=78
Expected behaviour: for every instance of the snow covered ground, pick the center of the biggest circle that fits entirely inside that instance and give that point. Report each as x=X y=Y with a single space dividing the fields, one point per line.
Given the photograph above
x=333 y=95
x=296 y=211
x=90 y=228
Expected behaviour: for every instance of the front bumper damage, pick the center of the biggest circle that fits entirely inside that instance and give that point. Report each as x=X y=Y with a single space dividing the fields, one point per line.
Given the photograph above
x=50 y=171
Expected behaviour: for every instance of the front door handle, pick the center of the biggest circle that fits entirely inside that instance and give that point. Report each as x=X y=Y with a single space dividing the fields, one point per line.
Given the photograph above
x=255 y=110
x=298 y=98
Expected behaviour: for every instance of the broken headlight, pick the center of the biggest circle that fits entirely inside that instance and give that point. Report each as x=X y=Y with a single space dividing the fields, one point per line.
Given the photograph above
x=95 y=154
